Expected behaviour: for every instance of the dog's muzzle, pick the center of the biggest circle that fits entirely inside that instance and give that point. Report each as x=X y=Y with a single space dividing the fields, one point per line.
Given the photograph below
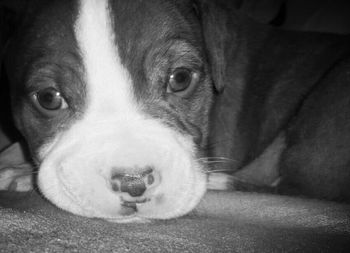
x=141 y=169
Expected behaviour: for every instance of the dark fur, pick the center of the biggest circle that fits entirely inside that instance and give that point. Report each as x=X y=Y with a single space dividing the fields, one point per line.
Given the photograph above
x=267 y=82
x=281 y=82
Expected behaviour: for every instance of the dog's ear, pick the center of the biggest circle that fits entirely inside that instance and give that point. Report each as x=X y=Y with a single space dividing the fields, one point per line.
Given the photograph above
x=218 y=22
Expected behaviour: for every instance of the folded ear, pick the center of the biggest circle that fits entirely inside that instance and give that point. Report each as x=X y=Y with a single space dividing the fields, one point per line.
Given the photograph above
x=219 y=23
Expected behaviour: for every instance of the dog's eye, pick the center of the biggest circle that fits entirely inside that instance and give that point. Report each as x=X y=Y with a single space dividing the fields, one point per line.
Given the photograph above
x=49 y=99
x=179 y=80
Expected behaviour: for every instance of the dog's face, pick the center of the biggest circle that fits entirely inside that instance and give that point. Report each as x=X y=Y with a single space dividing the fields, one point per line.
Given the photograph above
x=113 y=98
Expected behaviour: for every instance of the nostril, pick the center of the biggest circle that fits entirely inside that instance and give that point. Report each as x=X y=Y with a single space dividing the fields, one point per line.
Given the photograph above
x=150 y=179
x=147 y=171
x=115 y=186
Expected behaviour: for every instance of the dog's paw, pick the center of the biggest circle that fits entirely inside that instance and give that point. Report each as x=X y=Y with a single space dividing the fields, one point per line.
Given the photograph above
x=219 y=182
x=225 y=182
x=19 y=178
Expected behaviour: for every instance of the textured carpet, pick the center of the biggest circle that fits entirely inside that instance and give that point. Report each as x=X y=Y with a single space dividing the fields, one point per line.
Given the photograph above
x=223 y=222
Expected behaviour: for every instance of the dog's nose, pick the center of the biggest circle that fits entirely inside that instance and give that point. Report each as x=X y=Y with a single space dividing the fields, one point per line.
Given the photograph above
x=133 y=183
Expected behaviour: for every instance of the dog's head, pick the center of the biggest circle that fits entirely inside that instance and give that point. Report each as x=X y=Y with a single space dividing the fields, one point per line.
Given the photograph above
x=113 y=98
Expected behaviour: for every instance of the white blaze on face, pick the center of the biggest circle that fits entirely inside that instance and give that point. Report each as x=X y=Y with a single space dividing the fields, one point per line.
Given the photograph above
x=109 y=84
x=77 y=165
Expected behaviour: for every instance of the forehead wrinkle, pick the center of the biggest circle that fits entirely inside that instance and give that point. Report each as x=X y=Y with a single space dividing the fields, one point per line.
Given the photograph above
x=141 y=27
x=145 y=24
x=108 y=82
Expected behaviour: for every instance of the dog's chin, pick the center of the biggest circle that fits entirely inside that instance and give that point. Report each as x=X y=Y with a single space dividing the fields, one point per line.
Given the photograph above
x=75 y=175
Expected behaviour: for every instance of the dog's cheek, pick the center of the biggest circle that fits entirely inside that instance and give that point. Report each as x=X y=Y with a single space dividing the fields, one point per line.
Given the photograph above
x=198 y=117
x=30 y=128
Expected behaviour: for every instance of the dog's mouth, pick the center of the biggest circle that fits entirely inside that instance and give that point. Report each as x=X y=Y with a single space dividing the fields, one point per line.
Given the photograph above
x=131 y=207
x=133 y=204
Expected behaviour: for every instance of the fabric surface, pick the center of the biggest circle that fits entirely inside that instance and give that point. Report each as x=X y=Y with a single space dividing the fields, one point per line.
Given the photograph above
x=223 y=222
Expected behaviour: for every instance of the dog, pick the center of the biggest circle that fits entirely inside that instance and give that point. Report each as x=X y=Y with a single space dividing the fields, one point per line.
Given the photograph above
x=128 y=106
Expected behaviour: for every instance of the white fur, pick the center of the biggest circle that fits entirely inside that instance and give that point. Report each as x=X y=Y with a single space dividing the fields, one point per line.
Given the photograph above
x=78 y=164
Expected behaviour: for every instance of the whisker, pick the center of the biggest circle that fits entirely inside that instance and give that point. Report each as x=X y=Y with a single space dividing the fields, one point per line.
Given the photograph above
x=212 y=145
x=218 y=171
x=217 y=160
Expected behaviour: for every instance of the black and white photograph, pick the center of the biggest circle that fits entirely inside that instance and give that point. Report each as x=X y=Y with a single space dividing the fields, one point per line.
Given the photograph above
x=175 y=126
